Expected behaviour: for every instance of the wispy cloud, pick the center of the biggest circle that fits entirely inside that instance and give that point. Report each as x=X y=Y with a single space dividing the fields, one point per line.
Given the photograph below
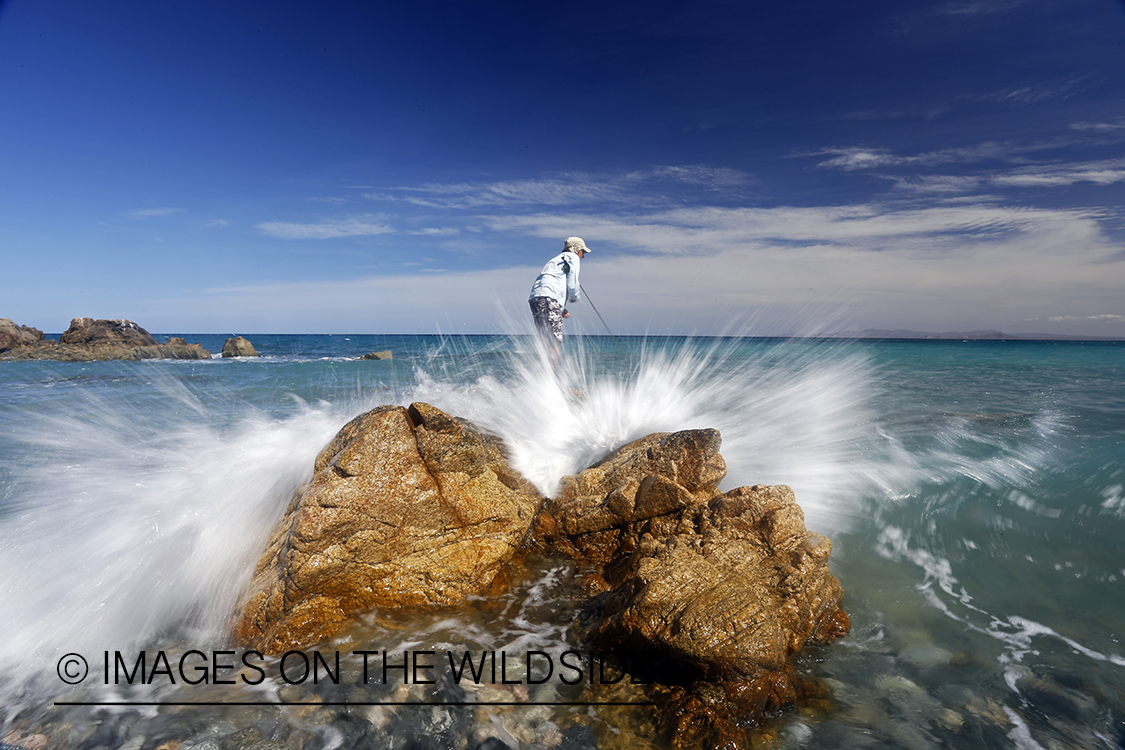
x=1104 y=318
x=435 y=231
x=884 y=162
x=1037 y=92
x=979 y=7
x=351 y=226
x=873 y=227
x=1114 y=126
x=571 y=189
x=1105 y=172
x=153 y=213
x=852 y=158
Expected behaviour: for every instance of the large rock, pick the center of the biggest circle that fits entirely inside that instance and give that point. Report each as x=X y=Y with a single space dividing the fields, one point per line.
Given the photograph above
x=238 y=347
x=596 y=511
x=713 y=593
x=12 y=335
x=710 y=595
x=98 y=332
x=408 y=508
x=727 y=590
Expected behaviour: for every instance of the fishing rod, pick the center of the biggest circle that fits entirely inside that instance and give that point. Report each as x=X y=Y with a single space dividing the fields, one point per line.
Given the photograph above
x=592 y=305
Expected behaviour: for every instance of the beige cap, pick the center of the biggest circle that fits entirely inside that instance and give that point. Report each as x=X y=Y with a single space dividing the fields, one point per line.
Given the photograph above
x=576 y=243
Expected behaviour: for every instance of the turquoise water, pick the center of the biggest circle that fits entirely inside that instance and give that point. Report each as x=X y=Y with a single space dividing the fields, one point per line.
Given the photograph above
x=974 y=492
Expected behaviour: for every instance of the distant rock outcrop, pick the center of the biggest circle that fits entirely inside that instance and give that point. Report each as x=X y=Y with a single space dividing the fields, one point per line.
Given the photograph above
x=238 y=347
x=378 y=355
x=99 y=332
x=408 y=508
x=13 y=335
x=88 y=340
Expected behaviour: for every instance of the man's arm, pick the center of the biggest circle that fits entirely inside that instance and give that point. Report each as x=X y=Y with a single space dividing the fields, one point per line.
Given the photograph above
x=573 y=288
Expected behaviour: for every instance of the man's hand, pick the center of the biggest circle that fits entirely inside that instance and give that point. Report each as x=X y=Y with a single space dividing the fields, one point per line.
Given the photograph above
x=566 y=313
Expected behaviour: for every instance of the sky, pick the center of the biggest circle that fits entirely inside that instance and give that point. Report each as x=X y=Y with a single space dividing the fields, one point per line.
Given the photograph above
x=763 y=168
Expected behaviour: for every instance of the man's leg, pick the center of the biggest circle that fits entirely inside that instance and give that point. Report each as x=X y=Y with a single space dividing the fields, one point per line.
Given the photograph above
x=548 y=322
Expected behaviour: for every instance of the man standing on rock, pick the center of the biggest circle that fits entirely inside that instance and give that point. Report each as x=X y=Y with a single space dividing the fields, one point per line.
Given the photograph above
x=553 y=288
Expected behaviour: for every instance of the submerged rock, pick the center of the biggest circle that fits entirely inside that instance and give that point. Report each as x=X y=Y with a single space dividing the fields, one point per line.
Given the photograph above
x=238 y=347
x=408 y=508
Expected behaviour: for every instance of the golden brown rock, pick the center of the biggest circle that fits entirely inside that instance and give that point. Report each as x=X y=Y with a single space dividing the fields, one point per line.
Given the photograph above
x=654 y=476
x=408 y=508
x=238 y=346
x=726 y=591
x=712 y=593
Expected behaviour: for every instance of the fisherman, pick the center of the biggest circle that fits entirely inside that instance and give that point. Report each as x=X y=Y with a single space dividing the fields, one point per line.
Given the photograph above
x=553 y=288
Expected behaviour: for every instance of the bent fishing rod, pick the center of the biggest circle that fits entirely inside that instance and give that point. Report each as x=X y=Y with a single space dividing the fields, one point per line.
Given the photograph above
x=595 y=309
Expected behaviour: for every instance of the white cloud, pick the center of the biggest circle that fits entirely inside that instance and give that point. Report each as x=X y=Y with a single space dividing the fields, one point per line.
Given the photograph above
x=867 y=270
x=352 y=226
x=874 y=226
x=435 y=231
x=1060 y=175
x=1103 y=318
x=936 y=262
x=979 y=7
x=1112 y=127
x=154 y=213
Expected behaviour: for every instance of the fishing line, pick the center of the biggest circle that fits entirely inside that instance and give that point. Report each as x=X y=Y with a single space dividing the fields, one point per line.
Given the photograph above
x=592 y=305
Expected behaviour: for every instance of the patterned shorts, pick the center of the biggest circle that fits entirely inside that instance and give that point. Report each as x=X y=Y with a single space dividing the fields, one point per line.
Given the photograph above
x=548 y=317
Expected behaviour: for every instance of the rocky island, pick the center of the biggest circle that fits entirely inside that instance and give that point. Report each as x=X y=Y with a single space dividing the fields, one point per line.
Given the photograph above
x=88 y=340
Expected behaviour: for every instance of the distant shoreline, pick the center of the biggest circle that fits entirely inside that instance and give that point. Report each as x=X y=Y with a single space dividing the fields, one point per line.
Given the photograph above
x=870 y=334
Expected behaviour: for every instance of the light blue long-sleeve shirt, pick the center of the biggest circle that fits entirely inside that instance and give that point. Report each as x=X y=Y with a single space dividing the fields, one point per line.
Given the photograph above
x=559 y=279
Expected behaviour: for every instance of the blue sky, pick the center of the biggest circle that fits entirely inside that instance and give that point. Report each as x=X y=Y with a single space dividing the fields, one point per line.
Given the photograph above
x=408 y=167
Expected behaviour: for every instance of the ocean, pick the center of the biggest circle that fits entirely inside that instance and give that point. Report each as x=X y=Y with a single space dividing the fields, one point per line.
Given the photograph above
x=974 y=492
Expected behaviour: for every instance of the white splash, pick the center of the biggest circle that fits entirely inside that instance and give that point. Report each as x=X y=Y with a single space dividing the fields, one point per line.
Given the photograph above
x=794 y=414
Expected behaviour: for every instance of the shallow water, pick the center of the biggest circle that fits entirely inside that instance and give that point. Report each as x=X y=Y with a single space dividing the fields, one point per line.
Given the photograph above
x=973 y=492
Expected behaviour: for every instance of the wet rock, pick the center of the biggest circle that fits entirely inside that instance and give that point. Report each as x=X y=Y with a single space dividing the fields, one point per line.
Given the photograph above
x=238 y=347
x=729 y=590
x=926 y=656
x=949 y=719
x=378 y=355
x=712 y=592
x=13 y=335
x=654 y=476
x=408 y=508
